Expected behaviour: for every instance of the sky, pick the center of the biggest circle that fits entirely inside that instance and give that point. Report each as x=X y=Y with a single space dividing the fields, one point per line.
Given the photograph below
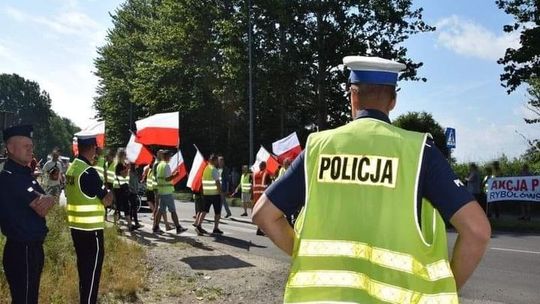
x=53 y=42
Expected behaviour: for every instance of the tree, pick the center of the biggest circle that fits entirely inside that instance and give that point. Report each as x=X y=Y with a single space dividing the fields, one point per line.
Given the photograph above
x=31 y=105
x=424 y=122
x=533 y=104
x=523 y=63
x=191 y=56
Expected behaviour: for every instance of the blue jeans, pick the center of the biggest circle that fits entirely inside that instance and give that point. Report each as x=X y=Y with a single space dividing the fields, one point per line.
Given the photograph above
x=225 y=204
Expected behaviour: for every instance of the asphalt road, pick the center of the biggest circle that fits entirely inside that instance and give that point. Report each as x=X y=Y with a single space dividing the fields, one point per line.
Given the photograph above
x=509 y=273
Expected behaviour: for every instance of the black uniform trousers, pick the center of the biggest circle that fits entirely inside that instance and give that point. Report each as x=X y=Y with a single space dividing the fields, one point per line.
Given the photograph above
x=23 y=263
x=90 y=252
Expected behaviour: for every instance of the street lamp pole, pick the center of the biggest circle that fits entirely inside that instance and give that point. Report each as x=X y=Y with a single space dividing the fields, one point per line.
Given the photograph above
x=250 y=38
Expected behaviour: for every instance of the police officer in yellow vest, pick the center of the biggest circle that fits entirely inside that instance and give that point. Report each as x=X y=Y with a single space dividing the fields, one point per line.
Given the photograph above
x=371 y=229
x=86 y=201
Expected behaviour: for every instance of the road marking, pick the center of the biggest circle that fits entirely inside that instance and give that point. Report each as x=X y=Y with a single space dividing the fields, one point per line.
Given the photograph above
x=515 y=250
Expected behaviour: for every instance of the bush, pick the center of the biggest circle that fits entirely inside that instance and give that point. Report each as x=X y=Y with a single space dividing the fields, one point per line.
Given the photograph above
x=122 y=275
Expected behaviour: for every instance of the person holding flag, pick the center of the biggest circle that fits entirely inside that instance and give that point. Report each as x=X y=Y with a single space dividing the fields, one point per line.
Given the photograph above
x=165 y=190
x=194 y=182
x=211 y=192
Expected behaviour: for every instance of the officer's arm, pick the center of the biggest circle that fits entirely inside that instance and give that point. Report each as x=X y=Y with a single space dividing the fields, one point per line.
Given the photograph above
x=474 y=233
x=272 y=221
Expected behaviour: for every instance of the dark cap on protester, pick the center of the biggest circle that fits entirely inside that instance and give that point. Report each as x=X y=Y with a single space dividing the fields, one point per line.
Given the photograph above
x=21 y=130
x=86 y=140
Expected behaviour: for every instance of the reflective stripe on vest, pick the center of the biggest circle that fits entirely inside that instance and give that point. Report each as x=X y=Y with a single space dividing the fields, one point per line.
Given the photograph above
x=85 y=208
x=85 y=220
x=83 y=212
x=208 y=182
x=382 y=291
x=245 y=184
x=382 y=257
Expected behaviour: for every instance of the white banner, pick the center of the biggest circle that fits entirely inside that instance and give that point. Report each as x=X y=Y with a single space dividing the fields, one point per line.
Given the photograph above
x=515 y=188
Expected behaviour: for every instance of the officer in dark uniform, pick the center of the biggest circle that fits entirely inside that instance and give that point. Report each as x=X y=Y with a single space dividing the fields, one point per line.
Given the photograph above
x=22 y=219
x=86 y=202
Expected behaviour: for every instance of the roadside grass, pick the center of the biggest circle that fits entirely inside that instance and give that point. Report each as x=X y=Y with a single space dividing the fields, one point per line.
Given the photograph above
x=123 y=272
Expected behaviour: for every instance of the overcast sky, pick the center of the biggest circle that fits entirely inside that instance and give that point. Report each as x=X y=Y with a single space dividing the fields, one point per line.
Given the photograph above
x=54 y=43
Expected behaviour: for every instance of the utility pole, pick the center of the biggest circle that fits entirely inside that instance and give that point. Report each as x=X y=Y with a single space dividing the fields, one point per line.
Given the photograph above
x=251 y=121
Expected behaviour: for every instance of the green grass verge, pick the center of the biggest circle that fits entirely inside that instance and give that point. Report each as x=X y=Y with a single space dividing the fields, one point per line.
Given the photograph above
x=123 y=272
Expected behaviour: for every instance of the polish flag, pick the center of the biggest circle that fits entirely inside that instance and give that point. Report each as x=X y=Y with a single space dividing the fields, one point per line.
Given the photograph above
x=96 y=129
x=176 y=163
x=288 y=147
x=195 y=174
x=137 y=153
x=272 y=164
x=160 y=129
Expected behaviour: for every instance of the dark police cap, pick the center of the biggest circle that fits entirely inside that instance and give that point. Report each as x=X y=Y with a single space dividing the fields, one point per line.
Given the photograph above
x=21 y=130
x=86 y=140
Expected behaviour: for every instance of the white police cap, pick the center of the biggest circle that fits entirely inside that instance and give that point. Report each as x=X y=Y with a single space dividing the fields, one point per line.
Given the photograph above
x=373 y=70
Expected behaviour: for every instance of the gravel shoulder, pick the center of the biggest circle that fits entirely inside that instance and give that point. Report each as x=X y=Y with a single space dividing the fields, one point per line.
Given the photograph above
x=204 y=270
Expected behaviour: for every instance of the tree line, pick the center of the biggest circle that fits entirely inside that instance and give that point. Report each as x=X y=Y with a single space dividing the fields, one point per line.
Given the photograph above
x=26 y=103
x=192 y=56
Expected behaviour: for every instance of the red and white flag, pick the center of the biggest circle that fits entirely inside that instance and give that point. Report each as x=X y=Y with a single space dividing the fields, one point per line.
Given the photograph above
x=195 y=174
x=263 y=155
x=288 y=147
x=137 y=153
x=160 y=129
x=96 y=129
x=176 y=163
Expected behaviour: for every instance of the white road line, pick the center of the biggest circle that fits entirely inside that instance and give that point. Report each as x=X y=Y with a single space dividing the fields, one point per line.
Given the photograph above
x=515 y=250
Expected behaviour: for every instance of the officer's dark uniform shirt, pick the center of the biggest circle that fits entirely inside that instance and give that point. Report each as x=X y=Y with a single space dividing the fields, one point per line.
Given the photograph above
x=18 y=188
x=438 y=183
x=91 y=184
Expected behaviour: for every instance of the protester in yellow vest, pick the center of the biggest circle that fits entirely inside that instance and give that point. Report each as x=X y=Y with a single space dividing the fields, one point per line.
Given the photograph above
x=149 y=178
x=245 y=188
x=369 y=232
x=165 y=190
x=284 y=167
x=211 y=192
x=86 y=201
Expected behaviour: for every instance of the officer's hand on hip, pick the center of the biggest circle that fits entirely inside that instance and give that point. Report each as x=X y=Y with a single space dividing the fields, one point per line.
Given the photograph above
x=43 y=204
